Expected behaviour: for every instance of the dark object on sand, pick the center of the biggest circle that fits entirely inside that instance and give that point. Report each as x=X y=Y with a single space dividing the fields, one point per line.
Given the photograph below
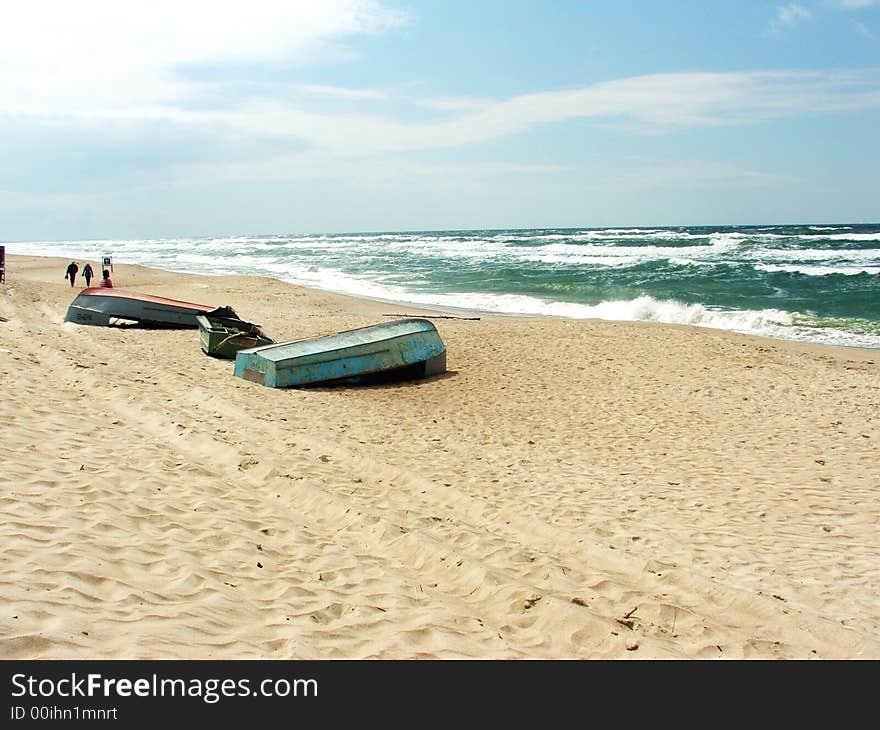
x=223 y=336
x=72 y=269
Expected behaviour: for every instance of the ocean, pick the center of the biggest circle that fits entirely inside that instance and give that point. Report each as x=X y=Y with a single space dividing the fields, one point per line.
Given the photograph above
x=814 y=283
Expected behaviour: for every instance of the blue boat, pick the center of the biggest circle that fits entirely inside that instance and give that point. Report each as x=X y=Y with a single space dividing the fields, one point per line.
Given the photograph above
x=405 y=348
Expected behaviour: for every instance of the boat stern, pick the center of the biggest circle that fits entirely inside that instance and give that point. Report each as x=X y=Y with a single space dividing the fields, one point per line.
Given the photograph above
x=250 y=366
x=85 y=315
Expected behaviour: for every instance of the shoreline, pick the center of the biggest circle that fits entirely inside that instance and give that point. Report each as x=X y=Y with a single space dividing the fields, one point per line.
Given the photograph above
x=569 y=489
x=482 y=313
x=845 y=323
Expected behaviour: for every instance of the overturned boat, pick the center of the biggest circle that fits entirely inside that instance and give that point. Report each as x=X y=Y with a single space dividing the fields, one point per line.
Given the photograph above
x=224 y=336
x=405 y=349
x=104 y=307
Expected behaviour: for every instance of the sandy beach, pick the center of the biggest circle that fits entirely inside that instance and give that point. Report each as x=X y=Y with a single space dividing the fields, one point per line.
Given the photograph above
x=569 y=489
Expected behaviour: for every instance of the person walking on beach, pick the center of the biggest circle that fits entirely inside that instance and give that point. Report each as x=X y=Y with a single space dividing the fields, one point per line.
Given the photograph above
x=106 y=282
x=71 y=272
x=88 y=273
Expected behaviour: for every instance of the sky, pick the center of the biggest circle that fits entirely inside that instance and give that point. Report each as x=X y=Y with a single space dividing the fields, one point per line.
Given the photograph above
x=181 y=118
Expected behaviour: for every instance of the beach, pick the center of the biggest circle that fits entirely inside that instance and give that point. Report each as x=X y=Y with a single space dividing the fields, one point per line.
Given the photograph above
x=569 y=489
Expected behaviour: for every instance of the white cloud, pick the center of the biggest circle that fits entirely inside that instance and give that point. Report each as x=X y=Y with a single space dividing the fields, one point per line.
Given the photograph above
x=341 y=93
x=856 y=3
x=64 y=56
x=458 y=103
x=864 y=30
x=320 y=164
x=89 y=62
x=788 y=15
x=655 y=102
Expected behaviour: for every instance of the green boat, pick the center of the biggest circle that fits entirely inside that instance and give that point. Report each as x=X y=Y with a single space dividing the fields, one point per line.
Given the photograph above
x=223 y=337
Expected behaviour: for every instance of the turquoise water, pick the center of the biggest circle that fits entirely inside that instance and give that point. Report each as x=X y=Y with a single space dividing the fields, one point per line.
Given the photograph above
x=819 y=283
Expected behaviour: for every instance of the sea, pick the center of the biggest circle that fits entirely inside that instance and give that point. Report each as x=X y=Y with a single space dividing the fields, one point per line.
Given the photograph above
x=815 y=283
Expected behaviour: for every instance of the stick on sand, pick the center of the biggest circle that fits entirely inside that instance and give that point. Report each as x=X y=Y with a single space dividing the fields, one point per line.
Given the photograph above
x=429 y=316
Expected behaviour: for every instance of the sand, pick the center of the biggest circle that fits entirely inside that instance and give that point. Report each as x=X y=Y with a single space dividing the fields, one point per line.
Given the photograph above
x=573 y=489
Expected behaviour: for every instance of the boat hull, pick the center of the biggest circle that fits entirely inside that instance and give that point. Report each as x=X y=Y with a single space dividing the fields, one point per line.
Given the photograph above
x=223 y=337
x=105 y=307
x=408 y=348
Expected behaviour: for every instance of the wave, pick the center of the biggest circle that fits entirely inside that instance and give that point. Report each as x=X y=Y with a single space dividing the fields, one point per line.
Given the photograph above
x=725 y=268
x=847 y=237
x=773 y=323
x=819 y=270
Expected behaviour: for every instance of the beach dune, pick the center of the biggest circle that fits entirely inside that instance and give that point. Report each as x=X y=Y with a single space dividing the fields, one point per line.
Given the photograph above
x=568 y=489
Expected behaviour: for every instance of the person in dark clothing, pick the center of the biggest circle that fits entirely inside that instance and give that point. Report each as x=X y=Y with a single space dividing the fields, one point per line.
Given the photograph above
x=72 y=269
x=88 y=273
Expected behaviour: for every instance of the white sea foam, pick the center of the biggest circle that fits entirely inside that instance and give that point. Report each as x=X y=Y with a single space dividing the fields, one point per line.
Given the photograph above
x=643 y=308
x=678 y=261
x=616 y=255
x=767 y=322
x=583 y=258
x=386 y=279
x=330 y=279
x=819 y=270
x=748 y=236
x=848 y=237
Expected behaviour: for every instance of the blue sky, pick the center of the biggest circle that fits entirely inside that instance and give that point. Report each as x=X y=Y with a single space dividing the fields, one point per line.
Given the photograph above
x=195 y=118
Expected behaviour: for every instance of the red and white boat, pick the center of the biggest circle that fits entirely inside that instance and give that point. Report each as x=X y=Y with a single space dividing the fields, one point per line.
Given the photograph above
x=104 y=307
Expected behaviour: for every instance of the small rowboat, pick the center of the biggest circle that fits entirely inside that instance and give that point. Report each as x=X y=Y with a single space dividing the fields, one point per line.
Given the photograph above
x=104 y=307
x=223 y=337
x=405 y=348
